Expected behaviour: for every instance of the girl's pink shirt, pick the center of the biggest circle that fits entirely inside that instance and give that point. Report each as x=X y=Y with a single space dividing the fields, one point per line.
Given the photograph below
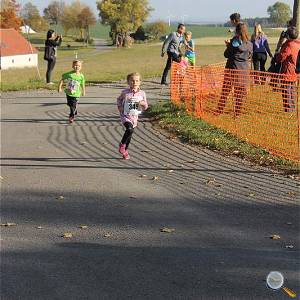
x=141 y=95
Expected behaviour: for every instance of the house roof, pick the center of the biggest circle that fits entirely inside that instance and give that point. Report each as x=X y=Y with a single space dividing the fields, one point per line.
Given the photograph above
x=13 y=43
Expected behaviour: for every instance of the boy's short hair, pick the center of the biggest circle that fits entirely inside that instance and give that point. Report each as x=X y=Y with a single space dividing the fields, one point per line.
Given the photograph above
x=235 y=17
x=180 y=25
x=76 y=61
x=129 y=76
x=293 y=33
x=188 y=33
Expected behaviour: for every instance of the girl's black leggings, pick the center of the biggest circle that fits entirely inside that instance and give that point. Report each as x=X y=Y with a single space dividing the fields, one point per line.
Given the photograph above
x=128 y=134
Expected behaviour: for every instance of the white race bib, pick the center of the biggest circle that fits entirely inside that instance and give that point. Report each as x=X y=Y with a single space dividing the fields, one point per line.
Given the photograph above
x=131 y=106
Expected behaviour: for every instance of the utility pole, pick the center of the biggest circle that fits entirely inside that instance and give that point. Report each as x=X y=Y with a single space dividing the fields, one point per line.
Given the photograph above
x=296 y=13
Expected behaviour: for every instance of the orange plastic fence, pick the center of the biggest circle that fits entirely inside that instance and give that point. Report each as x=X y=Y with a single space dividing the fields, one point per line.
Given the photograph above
x=259 y=107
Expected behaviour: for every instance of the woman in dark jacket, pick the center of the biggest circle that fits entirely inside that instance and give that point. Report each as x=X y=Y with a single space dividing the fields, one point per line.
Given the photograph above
x=238 y=53
x=260 y=50
x=51 y=44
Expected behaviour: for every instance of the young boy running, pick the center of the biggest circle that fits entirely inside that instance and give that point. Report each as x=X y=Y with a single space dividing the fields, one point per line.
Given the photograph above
x=74 y=83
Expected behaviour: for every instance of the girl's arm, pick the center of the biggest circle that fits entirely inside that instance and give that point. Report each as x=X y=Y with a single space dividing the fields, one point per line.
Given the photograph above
x=144 y=103
x=120 y=103
x=266 y=44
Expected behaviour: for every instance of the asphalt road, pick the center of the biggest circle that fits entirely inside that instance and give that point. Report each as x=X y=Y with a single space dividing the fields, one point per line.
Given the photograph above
x=56 y=177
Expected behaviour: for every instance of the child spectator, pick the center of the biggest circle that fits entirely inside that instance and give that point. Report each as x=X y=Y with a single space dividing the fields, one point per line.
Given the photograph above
x=129 y=104
x=74 y=83
x=190 y=48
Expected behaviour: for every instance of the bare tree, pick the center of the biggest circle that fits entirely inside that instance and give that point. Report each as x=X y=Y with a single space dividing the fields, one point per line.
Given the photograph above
x=296 y=13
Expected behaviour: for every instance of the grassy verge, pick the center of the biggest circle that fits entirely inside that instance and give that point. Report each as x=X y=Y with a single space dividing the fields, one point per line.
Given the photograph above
x=195 y=131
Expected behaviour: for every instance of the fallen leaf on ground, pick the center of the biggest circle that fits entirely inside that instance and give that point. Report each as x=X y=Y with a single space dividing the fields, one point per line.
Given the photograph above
x=170 y=171
x=275 y=237
x=143 y=176
x=251 y=195
x=82 y=143
x=167 y=230
x=39 y=227
x=191 y=161
x=1 y=178
x=236 y=152
x=146 y=151
x=292 y=194
x=107 y=235
x=289 y=246
x=67 y=235
x=210 y=181
x=132 y=197
x=155 y=178
x=7 y=224
x=83 y=226
x=60 y=198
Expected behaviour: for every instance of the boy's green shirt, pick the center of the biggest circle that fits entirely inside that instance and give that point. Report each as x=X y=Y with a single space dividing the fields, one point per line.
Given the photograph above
x=74 y=83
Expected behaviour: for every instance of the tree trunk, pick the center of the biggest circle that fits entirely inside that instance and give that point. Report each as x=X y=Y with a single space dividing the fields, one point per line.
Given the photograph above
x=296 y=13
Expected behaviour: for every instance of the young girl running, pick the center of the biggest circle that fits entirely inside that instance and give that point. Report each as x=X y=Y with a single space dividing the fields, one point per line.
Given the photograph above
x=190 y=48
x=130 y=103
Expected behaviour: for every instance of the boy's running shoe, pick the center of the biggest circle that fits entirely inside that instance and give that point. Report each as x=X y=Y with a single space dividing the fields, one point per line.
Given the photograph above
x=126 y=155
x=71 y=120
x=122 y=148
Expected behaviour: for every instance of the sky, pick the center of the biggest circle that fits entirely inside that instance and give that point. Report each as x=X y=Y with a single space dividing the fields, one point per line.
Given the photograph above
x=193 y=10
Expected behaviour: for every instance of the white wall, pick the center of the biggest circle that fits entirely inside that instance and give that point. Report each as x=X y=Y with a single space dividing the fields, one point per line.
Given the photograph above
x=19 y=61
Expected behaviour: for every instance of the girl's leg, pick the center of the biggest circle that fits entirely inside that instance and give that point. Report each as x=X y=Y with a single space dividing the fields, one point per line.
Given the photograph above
x=263 y=60
x=226 y=89
x=127 y=135
x=50 y=67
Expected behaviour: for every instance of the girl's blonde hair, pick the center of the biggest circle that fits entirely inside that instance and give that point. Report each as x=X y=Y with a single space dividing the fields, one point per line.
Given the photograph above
x=188 y=33
x=129 y=76
x=257 y=31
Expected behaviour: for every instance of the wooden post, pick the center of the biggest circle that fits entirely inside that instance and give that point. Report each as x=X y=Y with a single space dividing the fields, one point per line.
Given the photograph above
x=296 y=13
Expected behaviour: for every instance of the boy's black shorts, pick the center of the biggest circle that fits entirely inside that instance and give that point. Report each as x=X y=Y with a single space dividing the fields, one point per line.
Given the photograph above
x=72 y=100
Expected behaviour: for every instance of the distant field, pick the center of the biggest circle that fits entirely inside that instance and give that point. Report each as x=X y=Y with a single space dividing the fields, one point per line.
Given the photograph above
x=115 y=64
x=199 y=31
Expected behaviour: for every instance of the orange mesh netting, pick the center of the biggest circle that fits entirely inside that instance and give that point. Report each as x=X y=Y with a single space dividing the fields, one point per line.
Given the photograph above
x=259 y=107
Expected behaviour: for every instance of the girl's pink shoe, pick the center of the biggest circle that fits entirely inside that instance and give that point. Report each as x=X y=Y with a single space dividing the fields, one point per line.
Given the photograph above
x=122 y=148
x=126 y=155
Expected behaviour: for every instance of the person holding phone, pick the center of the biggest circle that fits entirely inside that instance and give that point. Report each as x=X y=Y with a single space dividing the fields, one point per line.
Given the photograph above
x=51 y=43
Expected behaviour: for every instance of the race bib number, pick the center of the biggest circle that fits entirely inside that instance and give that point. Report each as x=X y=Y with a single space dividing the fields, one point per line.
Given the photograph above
x=131 y=106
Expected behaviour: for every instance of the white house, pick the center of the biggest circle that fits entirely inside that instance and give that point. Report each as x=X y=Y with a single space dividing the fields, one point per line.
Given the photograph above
x=16 y=51
x=27 y=29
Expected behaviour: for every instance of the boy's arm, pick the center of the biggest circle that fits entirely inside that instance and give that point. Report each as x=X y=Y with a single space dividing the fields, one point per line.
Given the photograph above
x=83 y=86
x=60 y=85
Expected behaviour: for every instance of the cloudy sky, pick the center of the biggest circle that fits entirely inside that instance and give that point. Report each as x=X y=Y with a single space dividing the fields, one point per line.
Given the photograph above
x=195 y=10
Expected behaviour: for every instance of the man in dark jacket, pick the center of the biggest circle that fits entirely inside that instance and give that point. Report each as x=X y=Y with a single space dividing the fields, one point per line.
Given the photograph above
x=51 y=44
x=171 y=46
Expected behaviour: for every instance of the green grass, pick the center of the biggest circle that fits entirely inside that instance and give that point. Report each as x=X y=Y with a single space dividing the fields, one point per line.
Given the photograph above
x=196 y=131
